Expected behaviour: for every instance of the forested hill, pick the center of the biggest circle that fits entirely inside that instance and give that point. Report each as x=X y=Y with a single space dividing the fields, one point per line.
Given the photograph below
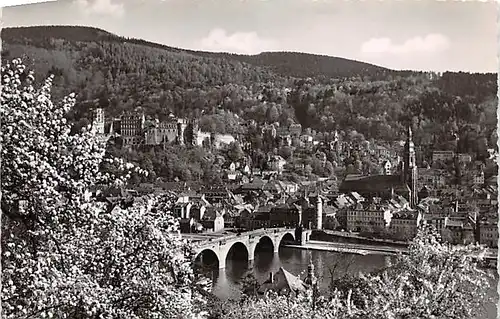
x=321 y=93
x=306 y=65
x=284 y=63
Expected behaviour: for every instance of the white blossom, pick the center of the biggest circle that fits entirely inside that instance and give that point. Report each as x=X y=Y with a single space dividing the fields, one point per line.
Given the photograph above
x=67 y=255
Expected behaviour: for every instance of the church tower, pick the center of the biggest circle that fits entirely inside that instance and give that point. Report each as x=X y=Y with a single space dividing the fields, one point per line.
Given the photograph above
x=311 y=277
x=409 y=169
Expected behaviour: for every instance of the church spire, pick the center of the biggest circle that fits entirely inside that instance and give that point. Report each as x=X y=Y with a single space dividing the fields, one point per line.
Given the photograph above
x=311 y=277
x=409 y=171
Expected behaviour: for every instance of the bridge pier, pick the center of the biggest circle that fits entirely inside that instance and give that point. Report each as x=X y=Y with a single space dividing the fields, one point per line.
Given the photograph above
x=222 y=263
x=304 y=238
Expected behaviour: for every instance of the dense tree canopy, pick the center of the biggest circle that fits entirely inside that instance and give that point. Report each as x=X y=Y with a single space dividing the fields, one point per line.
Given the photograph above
x=64 y=255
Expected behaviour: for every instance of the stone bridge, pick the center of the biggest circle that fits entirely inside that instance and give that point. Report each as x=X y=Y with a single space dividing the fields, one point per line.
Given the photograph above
x=222 y=245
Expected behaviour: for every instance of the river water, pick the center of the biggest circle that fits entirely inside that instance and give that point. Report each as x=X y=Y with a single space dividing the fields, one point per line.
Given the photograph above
x=296 y=260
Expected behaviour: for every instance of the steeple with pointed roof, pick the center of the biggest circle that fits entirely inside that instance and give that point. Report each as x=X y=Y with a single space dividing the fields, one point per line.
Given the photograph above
x=409 y=169
x=311 y=277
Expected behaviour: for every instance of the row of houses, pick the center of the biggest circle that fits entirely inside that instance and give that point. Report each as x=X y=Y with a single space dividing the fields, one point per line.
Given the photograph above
x=391 y=216
x=463 y=216
x=446 y=156
x=459 y=222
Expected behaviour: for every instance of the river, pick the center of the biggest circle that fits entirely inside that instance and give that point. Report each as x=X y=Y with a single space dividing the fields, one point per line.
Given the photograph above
x=295 y=261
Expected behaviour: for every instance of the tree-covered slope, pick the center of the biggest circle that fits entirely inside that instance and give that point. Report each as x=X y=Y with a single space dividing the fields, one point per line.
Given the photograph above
x=283 y=63
x=319 y=92
x=312 y=65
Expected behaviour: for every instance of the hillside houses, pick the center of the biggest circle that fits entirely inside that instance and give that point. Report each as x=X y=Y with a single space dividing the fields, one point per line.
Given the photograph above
x=276 y=163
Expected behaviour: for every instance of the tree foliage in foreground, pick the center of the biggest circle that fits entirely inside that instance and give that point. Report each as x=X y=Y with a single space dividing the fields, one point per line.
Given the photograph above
x=434 y=280
x=63 y=254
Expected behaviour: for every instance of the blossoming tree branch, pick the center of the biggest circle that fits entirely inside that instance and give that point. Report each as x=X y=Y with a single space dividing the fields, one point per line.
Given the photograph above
x=64 y=255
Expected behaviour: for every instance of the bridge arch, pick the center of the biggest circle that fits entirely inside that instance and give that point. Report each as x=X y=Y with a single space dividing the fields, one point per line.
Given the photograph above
x=201 y=256
x=236 y=249
x=264 y=242
x=273 y=237
x=285 y=238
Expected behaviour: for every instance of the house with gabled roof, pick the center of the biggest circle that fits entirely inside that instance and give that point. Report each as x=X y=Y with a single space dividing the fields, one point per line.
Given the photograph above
x=283 y=283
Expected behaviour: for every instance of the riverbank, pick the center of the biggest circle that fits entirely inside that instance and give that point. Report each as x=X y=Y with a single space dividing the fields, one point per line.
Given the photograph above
x=354 y=238
x=354 y=244
x=350 y=248
x=374 y=244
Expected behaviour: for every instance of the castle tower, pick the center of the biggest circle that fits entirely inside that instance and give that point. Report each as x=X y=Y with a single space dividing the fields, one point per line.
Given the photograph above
x=98 y=121
x=194 y=135
x=181 y=126
x=409 y=169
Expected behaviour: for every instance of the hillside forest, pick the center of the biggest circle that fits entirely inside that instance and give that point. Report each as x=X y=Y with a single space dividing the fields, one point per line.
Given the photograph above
x=321 y=93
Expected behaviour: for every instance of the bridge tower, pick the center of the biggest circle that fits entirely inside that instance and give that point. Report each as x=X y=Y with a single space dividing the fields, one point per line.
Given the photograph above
x=319 y=213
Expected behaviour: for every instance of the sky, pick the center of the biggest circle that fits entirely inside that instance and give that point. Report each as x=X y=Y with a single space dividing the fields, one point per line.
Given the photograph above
x=428 y=35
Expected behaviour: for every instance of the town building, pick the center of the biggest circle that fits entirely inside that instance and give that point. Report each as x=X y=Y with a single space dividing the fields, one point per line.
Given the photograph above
x=276 y=163
x=213 y=220
x=285 y=215
x=381 y=151
x=464 y=158
x=404 y=224
x=432 y=178
x=479 y=178
x=488 y=233
x=368 y=217
x=295 y=129
x=458 y=230
x=443 y=156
